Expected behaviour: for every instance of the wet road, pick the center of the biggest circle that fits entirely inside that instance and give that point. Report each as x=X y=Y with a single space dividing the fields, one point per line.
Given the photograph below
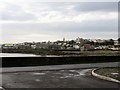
x=78 y=76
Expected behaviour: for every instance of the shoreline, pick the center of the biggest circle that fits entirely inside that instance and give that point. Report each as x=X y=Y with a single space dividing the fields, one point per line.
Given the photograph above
x=63 y=53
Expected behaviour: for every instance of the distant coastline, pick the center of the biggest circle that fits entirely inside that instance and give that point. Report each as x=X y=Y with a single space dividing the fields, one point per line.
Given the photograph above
x=23 y=55
x=62 y=53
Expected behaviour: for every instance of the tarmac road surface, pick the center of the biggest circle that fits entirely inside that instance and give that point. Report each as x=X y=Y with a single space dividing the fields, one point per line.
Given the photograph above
x=78 y=76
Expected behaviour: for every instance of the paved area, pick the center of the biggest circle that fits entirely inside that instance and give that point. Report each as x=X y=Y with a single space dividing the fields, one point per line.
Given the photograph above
x=58 y=76
x=58 y=67
x=80 y=78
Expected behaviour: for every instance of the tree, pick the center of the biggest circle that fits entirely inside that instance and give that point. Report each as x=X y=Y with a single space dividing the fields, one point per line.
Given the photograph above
x=92 y=43
x=84 y=42
x=111 y=42
x=72 y=42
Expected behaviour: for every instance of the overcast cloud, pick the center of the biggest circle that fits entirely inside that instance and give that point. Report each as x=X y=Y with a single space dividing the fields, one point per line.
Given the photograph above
x=37 y=21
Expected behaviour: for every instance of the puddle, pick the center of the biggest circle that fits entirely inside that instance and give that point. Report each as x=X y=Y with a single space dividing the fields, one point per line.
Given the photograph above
x=37 y=80
x=38 y=73
x=66 y=77
x=62 y=70
x=72 y=70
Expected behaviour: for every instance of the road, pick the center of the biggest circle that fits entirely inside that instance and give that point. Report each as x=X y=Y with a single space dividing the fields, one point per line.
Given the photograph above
x=58 y=76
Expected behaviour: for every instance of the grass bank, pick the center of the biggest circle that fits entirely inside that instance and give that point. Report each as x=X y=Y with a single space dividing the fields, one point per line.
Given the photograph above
x=63 y=52
x=109 y=72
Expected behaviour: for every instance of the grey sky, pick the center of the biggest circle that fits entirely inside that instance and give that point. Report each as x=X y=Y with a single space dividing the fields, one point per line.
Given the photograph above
x=38 y=21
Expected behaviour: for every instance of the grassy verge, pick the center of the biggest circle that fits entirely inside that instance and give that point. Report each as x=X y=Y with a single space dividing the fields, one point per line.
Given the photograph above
x=63 y=53
x=110 y=72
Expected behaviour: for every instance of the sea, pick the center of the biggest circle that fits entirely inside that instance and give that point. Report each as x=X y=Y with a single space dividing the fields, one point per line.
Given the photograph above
x=24 y=55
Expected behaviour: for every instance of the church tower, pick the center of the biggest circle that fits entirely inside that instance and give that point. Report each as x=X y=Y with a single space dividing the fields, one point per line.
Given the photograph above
x=64 y=39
